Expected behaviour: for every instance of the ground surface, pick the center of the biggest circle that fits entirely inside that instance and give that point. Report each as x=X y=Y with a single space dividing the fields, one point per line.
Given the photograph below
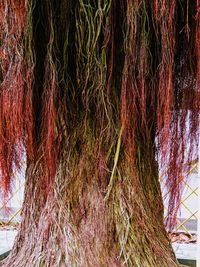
x=7 y=237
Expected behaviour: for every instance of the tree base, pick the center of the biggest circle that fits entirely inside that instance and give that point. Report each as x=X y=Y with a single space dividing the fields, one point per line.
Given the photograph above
x=94 y=233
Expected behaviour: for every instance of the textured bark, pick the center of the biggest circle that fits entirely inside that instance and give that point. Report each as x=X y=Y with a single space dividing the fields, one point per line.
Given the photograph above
x=77 y=226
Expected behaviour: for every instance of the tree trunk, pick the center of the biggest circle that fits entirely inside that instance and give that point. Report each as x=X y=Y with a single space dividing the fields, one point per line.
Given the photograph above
x=99 y=90
x=80 y=225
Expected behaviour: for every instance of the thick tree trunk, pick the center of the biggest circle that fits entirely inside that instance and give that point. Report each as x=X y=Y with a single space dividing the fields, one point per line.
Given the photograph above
x=99 y=90
x=78 y=225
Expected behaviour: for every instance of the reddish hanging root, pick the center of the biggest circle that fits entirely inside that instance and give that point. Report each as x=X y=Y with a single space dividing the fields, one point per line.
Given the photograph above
x=28 y=118
x=165 y=95
x=49 y=135
x=176 y=127
x=16 y=131
x=129 y=86
x=171 y=125
x=12 y=23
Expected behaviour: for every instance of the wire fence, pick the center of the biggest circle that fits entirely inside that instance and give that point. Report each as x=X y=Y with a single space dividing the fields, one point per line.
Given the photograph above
x=10 y=209
x=186 y=221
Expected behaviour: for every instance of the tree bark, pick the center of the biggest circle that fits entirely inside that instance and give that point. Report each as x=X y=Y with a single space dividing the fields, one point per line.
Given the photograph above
x=78 y=225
